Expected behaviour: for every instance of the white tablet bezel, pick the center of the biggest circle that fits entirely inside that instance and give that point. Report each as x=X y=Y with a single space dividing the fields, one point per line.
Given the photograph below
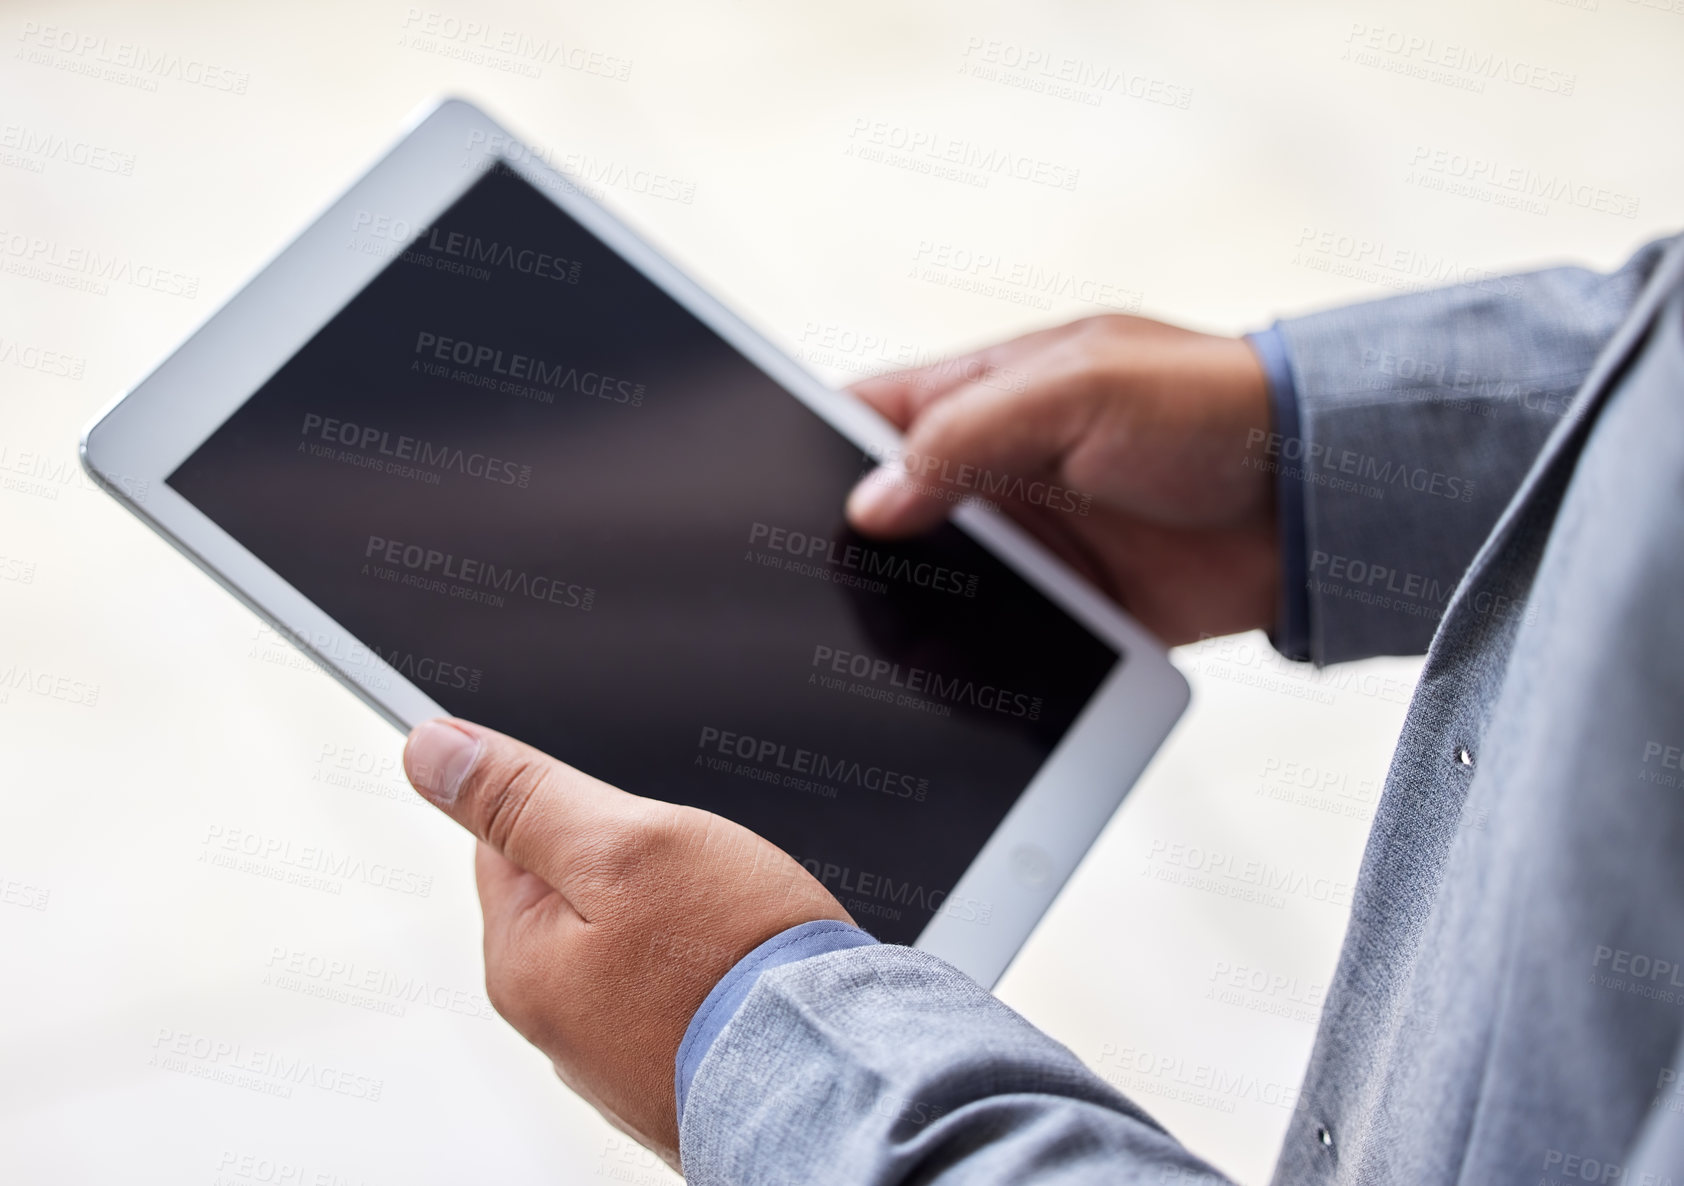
x=144 y=434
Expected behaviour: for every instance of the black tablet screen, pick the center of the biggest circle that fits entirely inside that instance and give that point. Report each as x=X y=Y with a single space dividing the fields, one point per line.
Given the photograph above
x=563 y=507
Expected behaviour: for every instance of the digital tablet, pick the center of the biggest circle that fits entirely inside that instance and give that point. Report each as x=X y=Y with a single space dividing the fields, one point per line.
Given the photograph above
x=481 y=451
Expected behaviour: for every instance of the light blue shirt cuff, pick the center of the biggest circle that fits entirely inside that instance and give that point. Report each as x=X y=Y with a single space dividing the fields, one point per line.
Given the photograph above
x=1291 y=635
x=797 y=943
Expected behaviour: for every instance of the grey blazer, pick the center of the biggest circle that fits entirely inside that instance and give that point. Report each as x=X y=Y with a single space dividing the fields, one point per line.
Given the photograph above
x=1509 y=1002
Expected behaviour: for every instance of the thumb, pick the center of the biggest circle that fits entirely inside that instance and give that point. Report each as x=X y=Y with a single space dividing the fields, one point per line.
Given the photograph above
x=543 y=815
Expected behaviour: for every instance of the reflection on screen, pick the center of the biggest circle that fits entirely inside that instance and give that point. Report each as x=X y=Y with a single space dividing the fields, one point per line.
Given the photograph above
x=563 y=507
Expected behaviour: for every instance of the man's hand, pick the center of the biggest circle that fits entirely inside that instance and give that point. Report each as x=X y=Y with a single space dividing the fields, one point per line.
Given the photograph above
x=608 y=917
x=1161 y=426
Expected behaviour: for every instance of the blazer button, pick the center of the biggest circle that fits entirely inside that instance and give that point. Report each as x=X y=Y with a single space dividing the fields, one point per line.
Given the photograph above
x=1464 y=756
x=1325 y=1137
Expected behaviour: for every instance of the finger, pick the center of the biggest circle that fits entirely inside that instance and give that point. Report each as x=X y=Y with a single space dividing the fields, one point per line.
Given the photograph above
x=980 y=442
x=507 y=891
x=902 y=396
x=543 y=815
x=511 y=899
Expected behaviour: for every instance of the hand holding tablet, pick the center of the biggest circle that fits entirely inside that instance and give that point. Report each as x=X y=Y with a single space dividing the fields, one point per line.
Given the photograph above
x=608 y=917
x=1153 y=422
x=486 y=454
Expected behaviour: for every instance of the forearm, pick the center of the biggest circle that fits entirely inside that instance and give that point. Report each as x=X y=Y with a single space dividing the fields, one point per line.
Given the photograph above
x=883 y=1065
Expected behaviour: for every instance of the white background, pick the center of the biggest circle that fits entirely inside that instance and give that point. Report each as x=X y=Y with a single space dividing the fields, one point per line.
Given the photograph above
x=1242 y=161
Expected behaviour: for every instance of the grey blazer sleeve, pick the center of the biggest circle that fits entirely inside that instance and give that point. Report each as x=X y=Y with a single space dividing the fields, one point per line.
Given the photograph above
x=1418 y=417
x=883 y=1064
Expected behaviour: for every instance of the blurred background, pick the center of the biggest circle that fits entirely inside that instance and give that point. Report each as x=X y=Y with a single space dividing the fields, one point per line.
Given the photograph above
x=1209 y=162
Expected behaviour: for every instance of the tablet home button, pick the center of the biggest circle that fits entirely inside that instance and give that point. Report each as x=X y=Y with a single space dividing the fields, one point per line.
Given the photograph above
x=1032 y=865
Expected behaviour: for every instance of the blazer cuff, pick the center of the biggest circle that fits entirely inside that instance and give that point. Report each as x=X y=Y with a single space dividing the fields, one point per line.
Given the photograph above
x=721 y=1005
x=1291 y=634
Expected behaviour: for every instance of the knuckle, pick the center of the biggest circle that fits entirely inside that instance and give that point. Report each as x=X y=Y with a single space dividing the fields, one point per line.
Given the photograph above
x=499 y=992
x=514 y=982
x=1107 y=324
x=501 y=798
x=639 y=844
x=944 y=424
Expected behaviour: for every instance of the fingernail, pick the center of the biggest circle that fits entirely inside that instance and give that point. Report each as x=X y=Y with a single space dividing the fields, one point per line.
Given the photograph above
x=437 y=759
x=879 y=495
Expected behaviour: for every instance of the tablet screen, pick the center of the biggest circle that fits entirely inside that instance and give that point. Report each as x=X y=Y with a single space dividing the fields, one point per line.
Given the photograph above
x=562 y=506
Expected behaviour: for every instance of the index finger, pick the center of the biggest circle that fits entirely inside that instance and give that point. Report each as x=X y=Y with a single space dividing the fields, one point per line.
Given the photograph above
x=903 y=396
